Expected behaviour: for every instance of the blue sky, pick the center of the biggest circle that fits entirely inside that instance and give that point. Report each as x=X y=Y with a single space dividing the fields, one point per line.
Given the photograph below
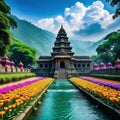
x=79 y=17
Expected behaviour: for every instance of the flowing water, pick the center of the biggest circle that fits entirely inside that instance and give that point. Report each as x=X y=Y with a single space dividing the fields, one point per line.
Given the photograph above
x=64 y=102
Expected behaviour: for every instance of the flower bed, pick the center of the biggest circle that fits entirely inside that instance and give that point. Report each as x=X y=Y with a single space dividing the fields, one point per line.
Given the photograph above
x=105 y=80
x=106 y=94
x=18 y=97
x=22 y=84
x=102 y=82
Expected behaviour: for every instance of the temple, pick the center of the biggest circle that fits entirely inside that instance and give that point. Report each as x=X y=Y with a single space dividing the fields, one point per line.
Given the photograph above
x=62 y=63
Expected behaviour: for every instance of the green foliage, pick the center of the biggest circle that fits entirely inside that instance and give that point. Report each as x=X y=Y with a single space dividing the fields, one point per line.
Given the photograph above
x=109 y=51
x=5 y=23
x=43 y=41
x=116 y=51
x=35 y=37
x=4 y=7
x=106 y=76
x=5 y=78
x=22 y=52
x=115 y=3
x=13 y=23
x=110 y=35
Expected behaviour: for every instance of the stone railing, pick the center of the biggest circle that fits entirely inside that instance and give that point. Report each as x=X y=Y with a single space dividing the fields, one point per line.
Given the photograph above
x=7 y=66
x=13 y=70
x=43 y=72
x=112 y=71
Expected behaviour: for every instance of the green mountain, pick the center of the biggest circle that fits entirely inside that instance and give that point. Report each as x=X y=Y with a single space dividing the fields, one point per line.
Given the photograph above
x=35 y=37
x=81 y=47
x=92 y=48
x=43 y=40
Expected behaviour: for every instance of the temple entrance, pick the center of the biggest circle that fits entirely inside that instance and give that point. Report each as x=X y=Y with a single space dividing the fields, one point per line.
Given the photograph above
x=62 y=65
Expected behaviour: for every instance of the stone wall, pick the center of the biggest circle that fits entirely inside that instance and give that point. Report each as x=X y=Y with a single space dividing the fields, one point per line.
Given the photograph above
x=13 y=70
x=7 y=66
x=112 y=71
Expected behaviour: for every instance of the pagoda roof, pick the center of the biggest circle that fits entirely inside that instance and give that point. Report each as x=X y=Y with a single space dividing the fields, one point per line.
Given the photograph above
x=5 y=57
x=58 y=47
x=56 y=53
x=20 y=63
x=62 y=30
x=62 y=52
x=95 y=65
x=117 y=61
x=61 y=41
x=62 y=49
x=62 y=56
x=81 y=58
x=43 y=60
x=62 y=26
x=45 y=57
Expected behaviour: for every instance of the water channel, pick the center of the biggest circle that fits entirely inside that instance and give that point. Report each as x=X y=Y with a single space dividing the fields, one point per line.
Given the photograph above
x=64 y=102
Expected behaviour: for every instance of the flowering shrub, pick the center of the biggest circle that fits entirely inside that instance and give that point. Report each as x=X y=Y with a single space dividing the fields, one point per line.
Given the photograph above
x=105 y=80
x=106 y=94
x=22 y=84
x=15 y=98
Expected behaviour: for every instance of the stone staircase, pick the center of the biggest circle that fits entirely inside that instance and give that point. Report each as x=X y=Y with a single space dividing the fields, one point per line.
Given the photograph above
x=61 y=74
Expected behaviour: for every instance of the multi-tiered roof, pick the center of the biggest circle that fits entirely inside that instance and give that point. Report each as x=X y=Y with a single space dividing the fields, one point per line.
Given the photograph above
x=62 y=44
x=62 y=63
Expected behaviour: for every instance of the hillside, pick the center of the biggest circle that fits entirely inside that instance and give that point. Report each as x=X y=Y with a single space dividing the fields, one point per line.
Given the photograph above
x=37 y=38
x=92 y=48
x=43 y=41
x=81 y=47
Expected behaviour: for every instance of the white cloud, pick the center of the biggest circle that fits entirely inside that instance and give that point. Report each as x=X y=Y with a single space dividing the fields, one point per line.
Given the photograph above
x=47 y=24
x=97 y=14
x=78 y=17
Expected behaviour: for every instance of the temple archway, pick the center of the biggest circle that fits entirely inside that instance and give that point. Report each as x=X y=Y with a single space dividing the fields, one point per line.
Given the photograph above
x=62 y=64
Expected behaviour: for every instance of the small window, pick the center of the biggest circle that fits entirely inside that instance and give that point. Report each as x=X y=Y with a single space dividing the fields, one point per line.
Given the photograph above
x=46 y=65
x=79 y=65
x=88 y=65
x=41 y=65
x=50 y=65
x=75 y=65
x=83 y=65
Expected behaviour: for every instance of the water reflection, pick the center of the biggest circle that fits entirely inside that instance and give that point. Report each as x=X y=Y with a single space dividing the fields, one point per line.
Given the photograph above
x=64 y=102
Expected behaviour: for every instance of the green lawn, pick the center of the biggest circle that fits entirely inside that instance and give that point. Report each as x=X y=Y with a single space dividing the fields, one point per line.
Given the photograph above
x=5 y=78
x=106 y=76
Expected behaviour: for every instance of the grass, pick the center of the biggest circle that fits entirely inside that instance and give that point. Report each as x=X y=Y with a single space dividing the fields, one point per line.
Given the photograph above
x=6 y=78
x=106 y=76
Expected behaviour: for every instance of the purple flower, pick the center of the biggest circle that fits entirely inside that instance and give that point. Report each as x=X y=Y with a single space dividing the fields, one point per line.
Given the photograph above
x=15 y=86
x=104 y=83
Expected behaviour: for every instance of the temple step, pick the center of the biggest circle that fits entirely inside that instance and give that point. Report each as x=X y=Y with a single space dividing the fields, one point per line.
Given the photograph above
x=61 y=74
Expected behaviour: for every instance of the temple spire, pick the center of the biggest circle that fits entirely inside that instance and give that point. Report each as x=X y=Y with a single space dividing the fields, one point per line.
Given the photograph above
x=62 y=31
x=62 y=44
x=62 y=26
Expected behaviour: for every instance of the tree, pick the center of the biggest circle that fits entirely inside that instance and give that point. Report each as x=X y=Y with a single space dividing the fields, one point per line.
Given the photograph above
x=5 y=23
x=109 y=51
x=113 y=3
x=22 y=52
x=116 y=51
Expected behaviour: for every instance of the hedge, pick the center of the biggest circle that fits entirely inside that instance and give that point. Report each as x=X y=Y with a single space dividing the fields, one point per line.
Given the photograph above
x=6 y=78
x=106 y=76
